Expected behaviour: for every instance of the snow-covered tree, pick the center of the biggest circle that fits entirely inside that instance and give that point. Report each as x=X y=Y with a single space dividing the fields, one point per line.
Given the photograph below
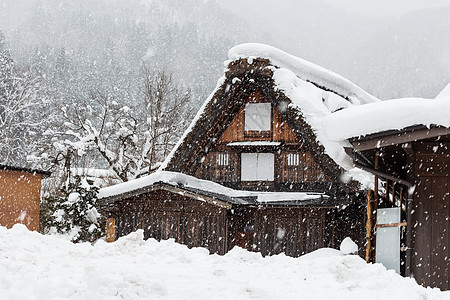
x=132 y=140
x=23 y=103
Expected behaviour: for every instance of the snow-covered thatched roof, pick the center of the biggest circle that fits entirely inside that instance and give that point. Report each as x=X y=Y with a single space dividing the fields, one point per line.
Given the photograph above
x=313 y=93
x=304 y=70
x=334 y=108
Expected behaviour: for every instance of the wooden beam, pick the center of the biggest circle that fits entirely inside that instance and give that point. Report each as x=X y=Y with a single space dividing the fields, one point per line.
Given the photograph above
x=399 y=137
x=404 y=224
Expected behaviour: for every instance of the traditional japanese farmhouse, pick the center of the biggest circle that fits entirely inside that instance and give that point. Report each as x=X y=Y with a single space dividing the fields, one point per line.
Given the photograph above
x=252 y=170
x=20 y=195
x=286 y=156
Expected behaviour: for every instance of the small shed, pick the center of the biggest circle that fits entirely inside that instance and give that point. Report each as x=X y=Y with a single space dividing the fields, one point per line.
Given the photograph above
x=20 y=190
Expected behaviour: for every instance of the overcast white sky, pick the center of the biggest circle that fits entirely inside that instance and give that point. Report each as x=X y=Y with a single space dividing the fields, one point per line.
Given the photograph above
x=386 y=7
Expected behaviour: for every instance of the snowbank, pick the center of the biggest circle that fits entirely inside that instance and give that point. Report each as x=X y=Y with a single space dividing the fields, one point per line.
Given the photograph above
x=33 y=266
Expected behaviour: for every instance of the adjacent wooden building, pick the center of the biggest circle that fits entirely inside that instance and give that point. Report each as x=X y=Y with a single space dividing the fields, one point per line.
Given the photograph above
x=20 y=191
x=414 y=164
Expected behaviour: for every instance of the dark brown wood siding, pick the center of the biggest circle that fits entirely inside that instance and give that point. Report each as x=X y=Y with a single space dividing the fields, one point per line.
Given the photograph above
x=431 y=215
x=294 y=230
x=291 y=231
x=307 y=170
x=164 y=215
x=211 y=170
x=268 y=230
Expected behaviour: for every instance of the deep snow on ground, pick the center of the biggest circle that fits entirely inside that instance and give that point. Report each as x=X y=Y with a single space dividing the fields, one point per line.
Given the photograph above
x=34 y=266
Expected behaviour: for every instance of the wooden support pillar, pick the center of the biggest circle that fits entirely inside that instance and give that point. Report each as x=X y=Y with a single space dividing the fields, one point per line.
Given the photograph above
x=110 y=230
x=375 y=208
x=393 y=194
x=369 y=225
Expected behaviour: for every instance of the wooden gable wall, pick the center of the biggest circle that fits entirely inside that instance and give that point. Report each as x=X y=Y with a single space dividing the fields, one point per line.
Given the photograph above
x=280 y=131
x=307 y=170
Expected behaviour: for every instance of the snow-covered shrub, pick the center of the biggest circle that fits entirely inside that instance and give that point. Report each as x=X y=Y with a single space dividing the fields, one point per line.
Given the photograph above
x=72 y=212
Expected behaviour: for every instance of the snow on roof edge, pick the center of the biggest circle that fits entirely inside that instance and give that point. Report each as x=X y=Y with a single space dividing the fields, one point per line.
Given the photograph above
x=204 y=185
x=445 y=92
x=393 y=114
x=305 y=70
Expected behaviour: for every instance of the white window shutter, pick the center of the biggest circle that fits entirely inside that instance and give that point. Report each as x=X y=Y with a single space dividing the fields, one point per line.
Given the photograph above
x=266 y=166
x=257 y=166
x=258 y=116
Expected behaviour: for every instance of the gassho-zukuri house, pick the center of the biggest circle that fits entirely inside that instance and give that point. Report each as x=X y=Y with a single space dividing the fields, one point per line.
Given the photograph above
x=286 y=156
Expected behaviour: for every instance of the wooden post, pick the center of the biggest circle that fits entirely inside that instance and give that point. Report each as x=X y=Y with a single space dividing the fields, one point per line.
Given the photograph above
x=393 y=195
x=369 y=225
x=388 y=199
x=110 y=230
x=375 y=208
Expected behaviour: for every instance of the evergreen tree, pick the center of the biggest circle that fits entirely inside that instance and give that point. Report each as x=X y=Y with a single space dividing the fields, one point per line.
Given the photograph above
x=73 y=212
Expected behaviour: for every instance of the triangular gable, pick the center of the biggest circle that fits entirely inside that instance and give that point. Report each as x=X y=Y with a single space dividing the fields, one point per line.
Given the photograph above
x=280 y=131
x=241 y=80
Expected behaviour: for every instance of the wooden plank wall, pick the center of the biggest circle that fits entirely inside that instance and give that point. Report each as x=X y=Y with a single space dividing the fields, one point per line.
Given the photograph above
x=20 y=194
x=165 y=215
x=293 y=231
x=269 y=230
x=306 y=171
x=210 y=169
x=431 y=217
x=280 y=130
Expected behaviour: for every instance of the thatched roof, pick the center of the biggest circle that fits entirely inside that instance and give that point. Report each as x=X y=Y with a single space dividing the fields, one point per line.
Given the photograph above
x=242 y=78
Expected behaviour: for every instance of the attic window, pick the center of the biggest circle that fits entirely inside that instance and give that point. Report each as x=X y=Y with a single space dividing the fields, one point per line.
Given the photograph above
x=293 y=159
x=222 y=159
x=258 y=116
x=257 y=166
